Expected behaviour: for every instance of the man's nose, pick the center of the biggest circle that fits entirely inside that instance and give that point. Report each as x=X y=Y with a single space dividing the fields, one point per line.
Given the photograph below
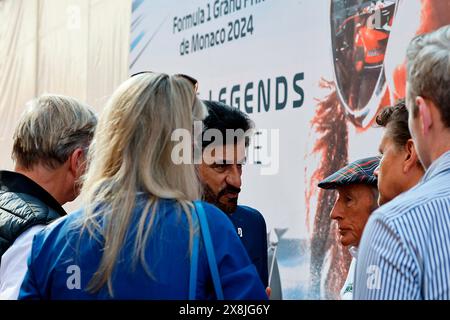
x=234 y=177
x=336 y=212
x=376 y=171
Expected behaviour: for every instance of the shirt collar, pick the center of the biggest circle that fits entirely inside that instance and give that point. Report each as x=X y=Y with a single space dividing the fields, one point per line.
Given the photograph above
x=441 y=164
x=353 y=251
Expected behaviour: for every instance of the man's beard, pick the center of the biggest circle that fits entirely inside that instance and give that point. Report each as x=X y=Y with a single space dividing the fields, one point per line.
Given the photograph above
x=230 y=206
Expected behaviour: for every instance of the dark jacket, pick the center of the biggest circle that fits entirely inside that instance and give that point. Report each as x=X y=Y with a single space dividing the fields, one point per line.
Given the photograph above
x=23 y=204
x=251 y=228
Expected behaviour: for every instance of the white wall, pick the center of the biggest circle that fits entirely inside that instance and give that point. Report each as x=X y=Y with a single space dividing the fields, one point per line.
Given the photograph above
x=73 y=47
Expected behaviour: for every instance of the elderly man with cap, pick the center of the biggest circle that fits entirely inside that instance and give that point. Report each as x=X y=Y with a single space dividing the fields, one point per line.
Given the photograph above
x=357 y=199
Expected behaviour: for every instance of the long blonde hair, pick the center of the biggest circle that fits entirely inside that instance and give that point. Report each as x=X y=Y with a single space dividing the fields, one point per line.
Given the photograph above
x=131 y=153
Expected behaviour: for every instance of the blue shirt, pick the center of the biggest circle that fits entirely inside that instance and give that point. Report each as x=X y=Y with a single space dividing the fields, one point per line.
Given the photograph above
x=59 y=252
x=405 y=248
x=251 y=228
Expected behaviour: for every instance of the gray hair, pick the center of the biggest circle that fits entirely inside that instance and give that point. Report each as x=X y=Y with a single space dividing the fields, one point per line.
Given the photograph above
x=50 y=130
x=429 y=70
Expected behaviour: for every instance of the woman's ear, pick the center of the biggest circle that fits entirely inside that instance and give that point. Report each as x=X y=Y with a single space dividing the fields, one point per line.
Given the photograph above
x=411 y=158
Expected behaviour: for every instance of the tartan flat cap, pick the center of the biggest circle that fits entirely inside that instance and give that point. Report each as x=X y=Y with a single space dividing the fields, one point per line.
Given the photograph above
x=359 y=171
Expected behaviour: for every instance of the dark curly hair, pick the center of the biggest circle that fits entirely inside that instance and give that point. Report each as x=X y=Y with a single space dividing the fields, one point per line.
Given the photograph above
x=396 y=117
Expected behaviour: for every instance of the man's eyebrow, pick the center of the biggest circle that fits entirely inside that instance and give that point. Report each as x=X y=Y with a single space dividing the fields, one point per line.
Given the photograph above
x=222 y=161
x=349 y=193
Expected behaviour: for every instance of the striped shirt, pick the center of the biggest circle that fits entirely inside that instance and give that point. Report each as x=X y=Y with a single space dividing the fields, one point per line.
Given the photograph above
x=404 y=252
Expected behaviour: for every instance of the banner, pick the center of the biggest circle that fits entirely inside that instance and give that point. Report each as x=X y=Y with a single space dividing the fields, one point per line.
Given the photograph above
x=312 y=75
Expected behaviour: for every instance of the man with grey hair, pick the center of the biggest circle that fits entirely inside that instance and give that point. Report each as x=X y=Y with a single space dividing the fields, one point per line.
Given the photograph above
x=405 y=249
x=49 y=151
x=356 y=187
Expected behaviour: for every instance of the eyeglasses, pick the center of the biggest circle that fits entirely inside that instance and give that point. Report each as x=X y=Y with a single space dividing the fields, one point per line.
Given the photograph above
x=193 y=81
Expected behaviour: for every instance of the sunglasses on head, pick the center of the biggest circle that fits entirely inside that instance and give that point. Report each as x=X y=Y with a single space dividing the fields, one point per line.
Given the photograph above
x=193 y=81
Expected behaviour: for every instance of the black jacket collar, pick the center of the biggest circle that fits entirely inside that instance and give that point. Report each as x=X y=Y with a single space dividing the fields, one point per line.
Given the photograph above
x=16 y=182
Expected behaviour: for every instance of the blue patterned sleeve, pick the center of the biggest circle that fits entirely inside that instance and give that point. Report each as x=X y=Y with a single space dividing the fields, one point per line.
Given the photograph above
x=386 y=268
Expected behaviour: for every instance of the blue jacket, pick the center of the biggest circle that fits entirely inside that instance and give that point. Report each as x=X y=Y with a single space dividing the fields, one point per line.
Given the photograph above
x=251 y=228
x=62 y=262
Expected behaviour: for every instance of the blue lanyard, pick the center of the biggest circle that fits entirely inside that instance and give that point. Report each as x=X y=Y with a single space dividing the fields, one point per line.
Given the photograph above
x=200 y=216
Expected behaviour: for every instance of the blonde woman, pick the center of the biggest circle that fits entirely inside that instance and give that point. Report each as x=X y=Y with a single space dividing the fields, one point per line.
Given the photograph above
x=134 y=237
